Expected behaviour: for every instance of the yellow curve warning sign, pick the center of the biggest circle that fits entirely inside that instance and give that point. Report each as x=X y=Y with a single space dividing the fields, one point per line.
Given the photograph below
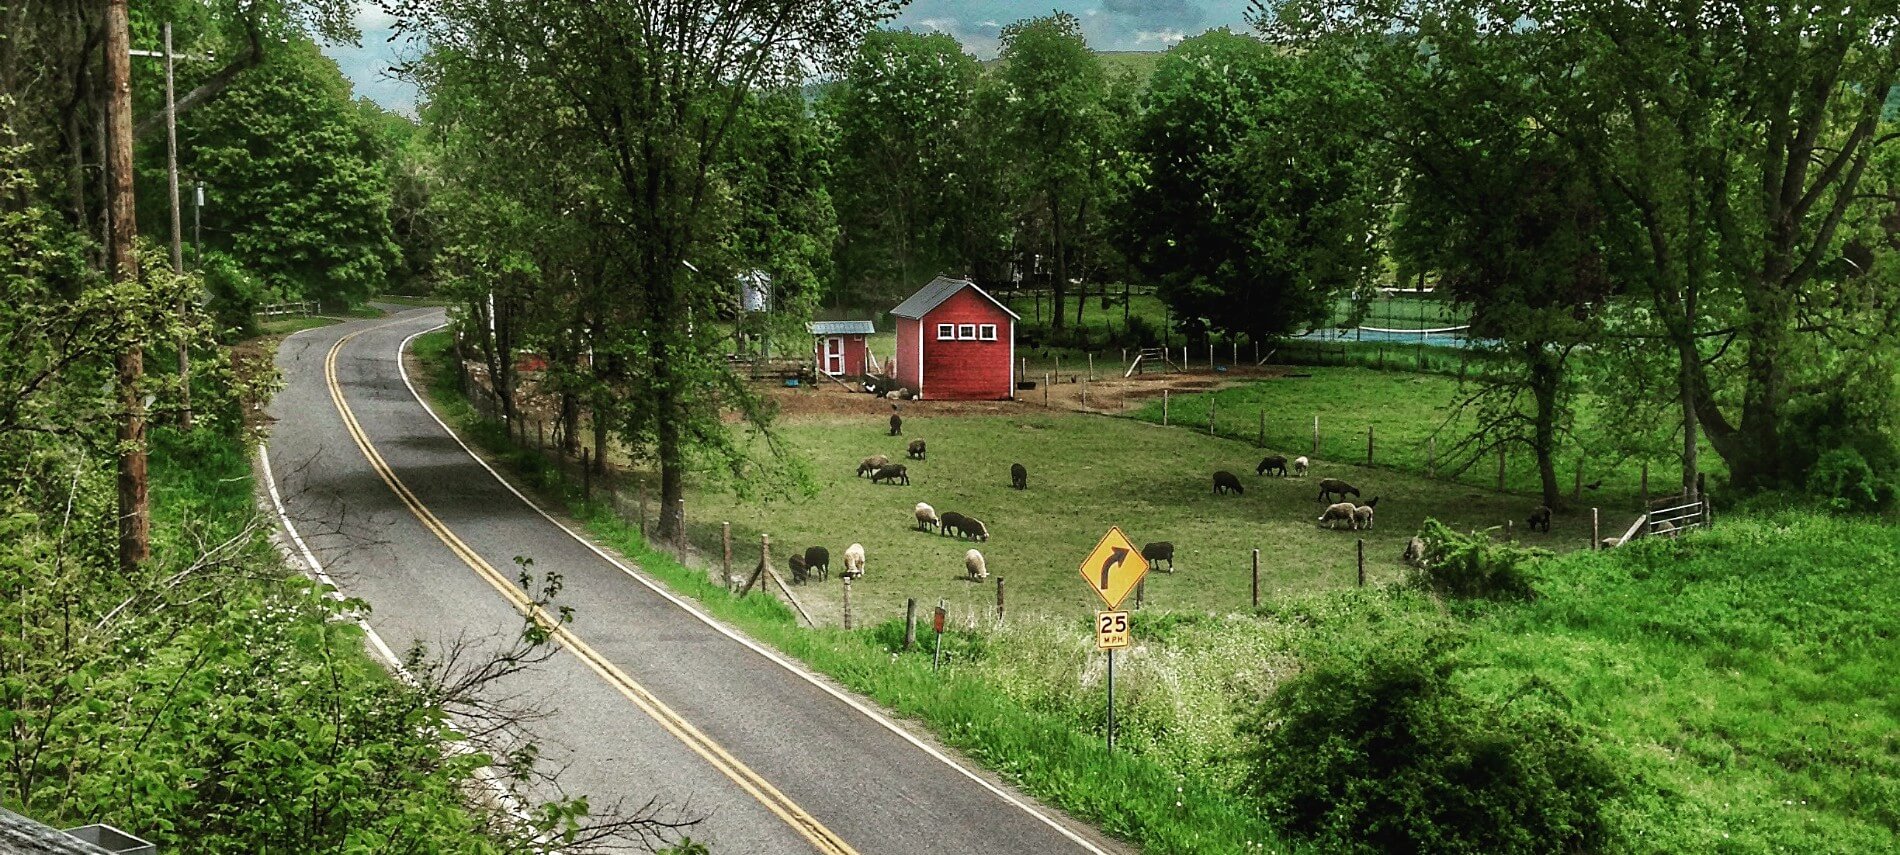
x=1114 y=567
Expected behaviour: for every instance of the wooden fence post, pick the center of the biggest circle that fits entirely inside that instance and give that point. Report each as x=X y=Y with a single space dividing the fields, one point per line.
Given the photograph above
x=1058 y=368
x=1256 y=578
x=910 y=623
x=1091 y=365
x=1213 y=404
x=999 y=599
x=1368 y=445
x=1141 y=592
x=847 y=603
x=643 y=512
x=1210 y=352
x=1316 y=434
x=679 y=530
x=1085 y=394
x=1164 y=408
x=587 y=474
x=540 y=435
x=1045 y=390
x=1596 y=530
x=725 y=542
x=1262 y=442
x=1362 y=562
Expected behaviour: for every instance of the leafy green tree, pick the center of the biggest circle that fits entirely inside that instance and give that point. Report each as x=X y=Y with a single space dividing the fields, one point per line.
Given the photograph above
x=1258 y=197
x=1052 y=99
x=900 y=121
x=297 y=182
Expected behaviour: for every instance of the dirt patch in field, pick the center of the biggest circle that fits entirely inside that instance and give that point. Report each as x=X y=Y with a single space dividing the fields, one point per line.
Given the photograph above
x=1072 y=392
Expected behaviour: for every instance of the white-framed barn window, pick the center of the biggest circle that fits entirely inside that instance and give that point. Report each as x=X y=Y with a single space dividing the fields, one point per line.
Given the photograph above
x=966 y=332
x=946 y=332
x=986 y=332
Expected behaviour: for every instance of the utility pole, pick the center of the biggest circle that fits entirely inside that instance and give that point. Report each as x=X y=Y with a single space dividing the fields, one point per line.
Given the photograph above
x=135 y=525
x=178 y=252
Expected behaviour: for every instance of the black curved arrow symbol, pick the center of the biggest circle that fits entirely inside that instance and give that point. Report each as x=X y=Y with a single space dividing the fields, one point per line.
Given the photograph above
x=1114 y=560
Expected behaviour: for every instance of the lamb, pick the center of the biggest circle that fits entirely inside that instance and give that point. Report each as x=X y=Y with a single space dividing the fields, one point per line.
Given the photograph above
x=818 y=562
x=1540 y=518
x=1338 y=513
x=974 y=528
x=974 y=565
x=1227 y=482
x=1159 y=551
x=799 y=573
x=916 y=449
x=1275 y=463
x=894 y=473
x=951 y=521
x=854 y=561
x=1414 y=553
x=897 y=425
x=1300 y=465
x=872 y=464
x=1362 y=515
x=1328 y=487
x=1018 y=476
x=927 y=517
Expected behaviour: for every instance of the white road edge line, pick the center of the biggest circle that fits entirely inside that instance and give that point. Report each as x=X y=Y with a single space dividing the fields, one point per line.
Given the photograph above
x=512 y=805
x=722 y=629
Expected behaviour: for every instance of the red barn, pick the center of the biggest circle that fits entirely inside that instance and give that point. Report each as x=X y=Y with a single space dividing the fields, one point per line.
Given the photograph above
x=839 y=346
x=955 y=341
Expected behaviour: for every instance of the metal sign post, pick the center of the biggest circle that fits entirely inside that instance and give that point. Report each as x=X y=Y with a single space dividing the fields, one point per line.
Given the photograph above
x=1111 y=700
x=1111 y=634
x=1112 y=570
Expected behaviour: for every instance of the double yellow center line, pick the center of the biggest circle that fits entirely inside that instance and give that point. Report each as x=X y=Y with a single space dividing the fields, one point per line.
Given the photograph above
x=751 y=782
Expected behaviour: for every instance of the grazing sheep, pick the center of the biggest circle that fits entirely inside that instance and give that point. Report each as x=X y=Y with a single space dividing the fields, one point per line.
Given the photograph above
x=1611 y=542
x=894 y=395
x=974 y=528
x=1328 y=487
x=1362 y=517
x=1300 y=465
x=1664 y=528
x=1338 y=513
x=1275 y=463
x=973 y=564
x=872 y=464
x=897 y=424
x=1018 y=476
x=1157 y=552
x=894 y=473
x=799 y=573
x=1414 y=553
x=854 y=561
x=818 y=562
x=1227 y=482
x=927 y=517
x=916 y=449
x=1539 y=518
x=951 y=521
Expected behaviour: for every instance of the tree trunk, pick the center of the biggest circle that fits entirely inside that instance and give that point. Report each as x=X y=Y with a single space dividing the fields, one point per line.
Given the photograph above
x=1759 y=462
x=135 y=544
x=1546 y=375
x=570 y=424
x=1060 y=262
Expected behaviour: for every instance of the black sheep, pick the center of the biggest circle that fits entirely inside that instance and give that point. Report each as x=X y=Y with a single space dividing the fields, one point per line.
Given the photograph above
x=1159 y=551
x=1227 y=482
x=1018 y=476
x=975 y=528
x=1540 y=518
x=894 y=473
x=897 y=425
x=1275 y=464
x=916 y=449
x=799 y=573
x=951 y=521
x=818 y=562
x=1330 y=486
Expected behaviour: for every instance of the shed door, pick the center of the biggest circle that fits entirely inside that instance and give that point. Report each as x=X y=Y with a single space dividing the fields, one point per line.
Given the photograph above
x=834 y=355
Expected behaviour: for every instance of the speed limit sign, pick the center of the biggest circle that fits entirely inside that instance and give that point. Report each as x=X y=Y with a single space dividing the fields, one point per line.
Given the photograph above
x=1111 y=630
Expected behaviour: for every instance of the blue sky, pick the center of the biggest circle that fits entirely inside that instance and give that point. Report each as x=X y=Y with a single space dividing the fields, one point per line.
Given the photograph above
x=1109 y=25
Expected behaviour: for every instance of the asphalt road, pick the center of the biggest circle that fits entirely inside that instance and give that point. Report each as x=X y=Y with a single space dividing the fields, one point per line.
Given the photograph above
x=648 y=699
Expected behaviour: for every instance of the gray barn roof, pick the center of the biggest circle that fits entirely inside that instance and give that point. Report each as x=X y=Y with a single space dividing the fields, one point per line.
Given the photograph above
x=940 y=289
x=841 y=327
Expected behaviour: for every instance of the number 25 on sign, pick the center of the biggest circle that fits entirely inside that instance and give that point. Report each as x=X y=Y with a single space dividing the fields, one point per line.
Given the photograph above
x=1111 y=630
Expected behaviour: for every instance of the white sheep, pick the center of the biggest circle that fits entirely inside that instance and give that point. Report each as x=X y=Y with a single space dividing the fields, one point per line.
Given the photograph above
x=1362 y=517
x=1300 y=465
x=1414 y=553
x=973 y=562
x=854 y=561
x=1337 y=513
x=927 y=517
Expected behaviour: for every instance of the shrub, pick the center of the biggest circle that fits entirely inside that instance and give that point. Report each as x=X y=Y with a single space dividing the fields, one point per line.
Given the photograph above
x=1849 y=483
x=1474 y=565
x=1375 y=749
